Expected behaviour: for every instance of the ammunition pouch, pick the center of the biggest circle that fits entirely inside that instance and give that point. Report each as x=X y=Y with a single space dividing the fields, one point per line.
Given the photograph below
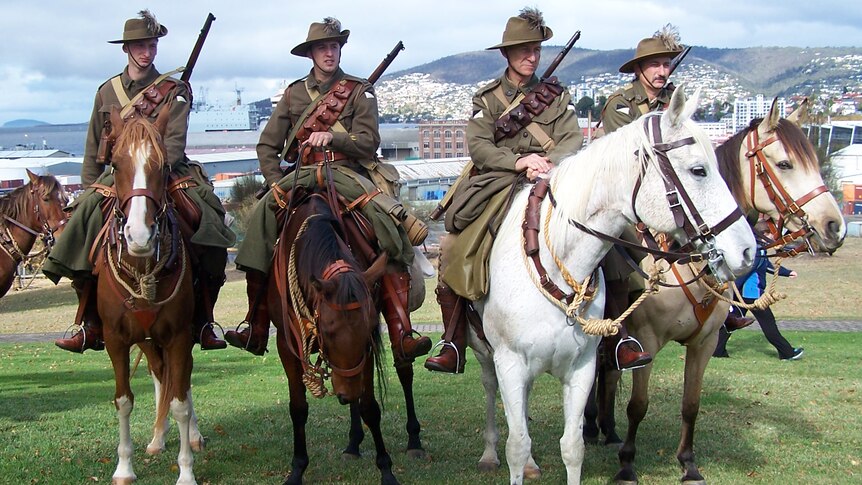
x=153 y=95
x=189 y=212
x=533 y=104
x=327 y=111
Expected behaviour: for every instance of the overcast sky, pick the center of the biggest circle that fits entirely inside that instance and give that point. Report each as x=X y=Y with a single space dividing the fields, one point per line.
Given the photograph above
x=54 y=53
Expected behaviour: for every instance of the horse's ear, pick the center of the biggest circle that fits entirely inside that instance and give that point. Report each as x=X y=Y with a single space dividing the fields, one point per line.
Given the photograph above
x=116 y=122
x=801 y=113
x=34 y=179
x=680 y=108
x=770 y=121
x=324 y=287
x=162 y=120
x=376 y=270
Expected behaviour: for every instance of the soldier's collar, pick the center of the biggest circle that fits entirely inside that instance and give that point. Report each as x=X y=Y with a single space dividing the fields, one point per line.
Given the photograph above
x=129 y=83
x=511 y=88
x=324 y=86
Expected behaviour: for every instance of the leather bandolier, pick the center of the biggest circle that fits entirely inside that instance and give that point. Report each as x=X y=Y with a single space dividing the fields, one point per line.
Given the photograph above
x=520 y=116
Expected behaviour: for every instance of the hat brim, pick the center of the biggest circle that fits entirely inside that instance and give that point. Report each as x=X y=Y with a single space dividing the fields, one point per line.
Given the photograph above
x=301 y=50
x=509 y=43
x=629 y=67
x=140 y=35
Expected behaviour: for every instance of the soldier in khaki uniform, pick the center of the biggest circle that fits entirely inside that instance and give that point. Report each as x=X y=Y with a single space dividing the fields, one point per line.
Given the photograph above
x=480 y=200
x=352 y=144
x=211 y=239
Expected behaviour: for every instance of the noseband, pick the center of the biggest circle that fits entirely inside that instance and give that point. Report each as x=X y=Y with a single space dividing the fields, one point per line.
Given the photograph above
x=778 y=195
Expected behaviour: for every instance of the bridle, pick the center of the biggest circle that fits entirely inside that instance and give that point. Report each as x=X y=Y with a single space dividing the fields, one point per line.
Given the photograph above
x=782 y=200
x=10 y=245
x=695 y=228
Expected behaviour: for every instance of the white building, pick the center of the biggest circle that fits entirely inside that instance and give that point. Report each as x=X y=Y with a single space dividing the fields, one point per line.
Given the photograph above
x=747 y=109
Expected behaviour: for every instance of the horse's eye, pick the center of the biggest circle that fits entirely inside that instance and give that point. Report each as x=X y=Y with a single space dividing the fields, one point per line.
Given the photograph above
x=784 y=165
x=698 y=171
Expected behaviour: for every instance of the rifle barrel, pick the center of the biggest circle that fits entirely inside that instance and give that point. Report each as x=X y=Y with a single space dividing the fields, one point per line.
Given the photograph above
x=386 y=62
x=196 y=51
x=557 y=60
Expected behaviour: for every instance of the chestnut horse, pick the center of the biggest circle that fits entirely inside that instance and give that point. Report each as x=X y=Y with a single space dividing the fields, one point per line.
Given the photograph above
x=320 y=302
x=144 y=287
x=32 y=211
x=771 y=168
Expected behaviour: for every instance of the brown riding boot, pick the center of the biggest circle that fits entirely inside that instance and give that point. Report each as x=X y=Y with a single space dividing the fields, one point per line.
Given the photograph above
x=733 y=322
x=627 y=351
x=204 y=333
x=454 y=342
x=255 y=335
x=405 y=348
x=89 y=336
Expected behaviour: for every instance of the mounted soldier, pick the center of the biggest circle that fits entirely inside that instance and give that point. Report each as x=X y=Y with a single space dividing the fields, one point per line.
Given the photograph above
x=328 y=119
x=140 y=90
x=520 y=128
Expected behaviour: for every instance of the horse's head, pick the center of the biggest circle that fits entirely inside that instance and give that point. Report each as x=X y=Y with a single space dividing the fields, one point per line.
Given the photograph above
x=47 y=200
x=340 y=297
x=780 y=176
x=682 y=193
x=140 y=171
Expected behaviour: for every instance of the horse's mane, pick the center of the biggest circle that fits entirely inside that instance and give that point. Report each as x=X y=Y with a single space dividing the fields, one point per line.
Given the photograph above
x=795 y=143
x=139 y=130
x=15 y=203
x=319 y=246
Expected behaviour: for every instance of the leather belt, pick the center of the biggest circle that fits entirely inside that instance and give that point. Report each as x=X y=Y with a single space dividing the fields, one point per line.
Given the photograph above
x=331 y=155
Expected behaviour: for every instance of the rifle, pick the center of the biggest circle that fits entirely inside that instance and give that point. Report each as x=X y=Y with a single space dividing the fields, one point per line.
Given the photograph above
x=385 y=63
x=196 y=51
x=678 y=60
x=557 y=60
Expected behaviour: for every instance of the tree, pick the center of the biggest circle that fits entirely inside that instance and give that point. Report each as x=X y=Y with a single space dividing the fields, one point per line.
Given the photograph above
x=584 y=106
x=600 y=105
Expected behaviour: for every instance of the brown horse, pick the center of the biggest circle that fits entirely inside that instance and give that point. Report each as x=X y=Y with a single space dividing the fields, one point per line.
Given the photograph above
x=321 y=302
x=144 y=287
x=32 y=211
x=771 y=168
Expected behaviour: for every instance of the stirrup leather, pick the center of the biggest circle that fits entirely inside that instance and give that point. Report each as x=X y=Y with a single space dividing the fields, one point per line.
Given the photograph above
x=617 y=353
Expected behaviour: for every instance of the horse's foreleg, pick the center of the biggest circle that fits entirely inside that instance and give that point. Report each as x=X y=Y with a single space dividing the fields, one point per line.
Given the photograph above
x=489 y=462
x=177 y=384
x=161 y=426
x=515 y=383
x=414 y=443
x=636 y=410
x=608 y=383
x=574 y=400
x=591 y=410
x=298 y=410
x=124 y=400
x=696 y=359
x=196 y=439
x=369 y=409
x=355 y=435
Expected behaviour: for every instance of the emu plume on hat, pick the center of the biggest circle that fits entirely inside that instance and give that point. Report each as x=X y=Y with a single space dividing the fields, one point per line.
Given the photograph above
x=329 y=29
x=528 y=26
x=142 y=28
x=665 y=42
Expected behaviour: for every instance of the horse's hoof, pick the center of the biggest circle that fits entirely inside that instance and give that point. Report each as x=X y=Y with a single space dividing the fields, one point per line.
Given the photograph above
x=345 y=456
x=417 y=454
x=199 y=445
x=625 y=477
x=488 y=466
x=693 y=482
x=591 y=440
x=123 y=481
x=532 y=473
x=155 y=450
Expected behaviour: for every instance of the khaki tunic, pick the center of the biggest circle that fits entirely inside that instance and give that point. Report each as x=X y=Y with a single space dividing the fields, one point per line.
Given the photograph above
x=212 y=237
x=480 y=201
x=624 y=106
x=359 y=143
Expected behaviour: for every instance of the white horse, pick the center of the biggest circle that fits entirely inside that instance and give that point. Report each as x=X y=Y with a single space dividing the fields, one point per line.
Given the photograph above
x=598 y=187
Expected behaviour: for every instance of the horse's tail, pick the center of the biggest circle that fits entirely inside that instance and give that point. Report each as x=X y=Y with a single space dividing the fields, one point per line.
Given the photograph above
x=379 y=367
x=171 y=386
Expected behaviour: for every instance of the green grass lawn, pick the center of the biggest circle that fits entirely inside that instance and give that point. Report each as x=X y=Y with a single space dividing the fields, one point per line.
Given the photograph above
x=762 y=421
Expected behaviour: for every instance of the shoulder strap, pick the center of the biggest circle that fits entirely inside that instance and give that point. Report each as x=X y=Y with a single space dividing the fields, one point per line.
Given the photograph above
x=129 y=104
